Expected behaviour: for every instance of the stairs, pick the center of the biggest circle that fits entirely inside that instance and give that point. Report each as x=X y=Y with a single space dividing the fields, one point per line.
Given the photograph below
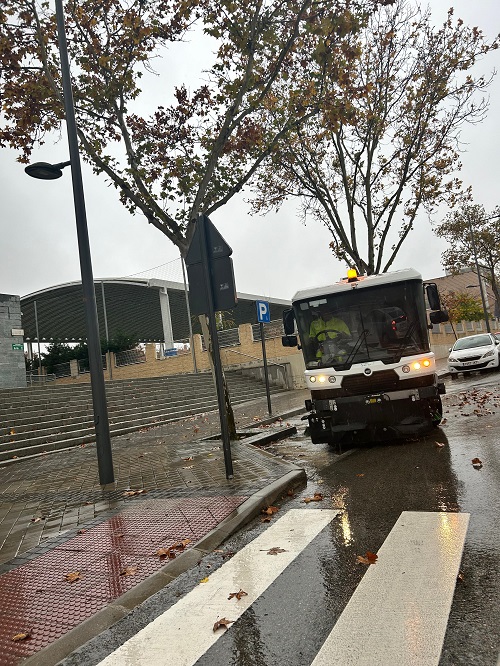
x=49 y=418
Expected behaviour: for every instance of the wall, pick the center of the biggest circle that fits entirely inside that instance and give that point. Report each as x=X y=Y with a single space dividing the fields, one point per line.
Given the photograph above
x=12 y=365
x=247 y=354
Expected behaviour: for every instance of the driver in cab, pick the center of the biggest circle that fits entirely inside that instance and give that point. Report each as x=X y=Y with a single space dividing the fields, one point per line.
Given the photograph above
x=326 y=326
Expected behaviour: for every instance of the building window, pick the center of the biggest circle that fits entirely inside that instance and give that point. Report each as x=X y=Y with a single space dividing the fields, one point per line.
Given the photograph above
x=469 y=325
x=479 y=325
x=448 y=328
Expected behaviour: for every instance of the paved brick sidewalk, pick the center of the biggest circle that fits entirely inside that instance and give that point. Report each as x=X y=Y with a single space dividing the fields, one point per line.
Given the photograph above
x=56 y=519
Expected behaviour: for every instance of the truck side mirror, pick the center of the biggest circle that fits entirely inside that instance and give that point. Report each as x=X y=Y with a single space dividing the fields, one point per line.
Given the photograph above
x=289 y=341
x=433 y=296
x=289 y=323
x=439 y=317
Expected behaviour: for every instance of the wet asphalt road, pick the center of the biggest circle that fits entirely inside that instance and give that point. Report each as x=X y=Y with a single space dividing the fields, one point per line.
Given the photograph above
x=288 y=624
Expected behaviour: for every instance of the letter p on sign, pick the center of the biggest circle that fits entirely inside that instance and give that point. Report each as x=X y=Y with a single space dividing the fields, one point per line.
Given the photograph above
x=263 y=312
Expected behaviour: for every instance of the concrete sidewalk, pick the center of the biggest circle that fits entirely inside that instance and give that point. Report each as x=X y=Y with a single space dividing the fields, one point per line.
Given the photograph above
x=170 y=504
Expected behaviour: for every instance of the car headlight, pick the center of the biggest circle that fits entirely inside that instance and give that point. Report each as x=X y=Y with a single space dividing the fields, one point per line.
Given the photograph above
x=489 y=353
x=452 y=359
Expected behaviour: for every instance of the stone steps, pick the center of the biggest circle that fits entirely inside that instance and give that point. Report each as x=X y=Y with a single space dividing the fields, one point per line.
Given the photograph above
x=35 y=421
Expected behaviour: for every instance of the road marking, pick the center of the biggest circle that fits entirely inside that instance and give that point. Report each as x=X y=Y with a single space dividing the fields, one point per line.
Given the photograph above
x=398 y=614
x=184 y=632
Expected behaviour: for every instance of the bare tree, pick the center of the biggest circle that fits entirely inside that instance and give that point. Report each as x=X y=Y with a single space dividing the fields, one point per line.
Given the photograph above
x=367 y=165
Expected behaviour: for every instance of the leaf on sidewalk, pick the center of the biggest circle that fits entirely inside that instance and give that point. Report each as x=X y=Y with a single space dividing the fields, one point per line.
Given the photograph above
x=368 y=558
x=224 y=623
x=205 y=580
x=476 y=463
x=130 y=493
x=73 y=576
x=128 y=571
x=237 y=595
x=22 y=635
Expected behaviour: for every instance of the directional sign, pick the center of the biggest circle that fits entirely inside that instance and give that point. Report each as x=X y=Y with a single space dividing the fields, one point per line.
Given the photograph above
x=216 y=245
x=263 y=312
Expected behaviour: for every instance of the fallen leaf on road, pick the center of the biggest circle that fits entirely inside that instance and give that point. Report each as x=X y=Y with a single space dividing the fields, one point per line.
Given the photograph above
x=36 y=520
x=360 y=475
x=317 y=497
x=128 y=571
x=439 y=445
x=275 y=550
x=461 y=577
x=22 y=635
x=73 y=576
x=222 y=623
x=270 y=510
x=205 y=580
x=476 y=463
x=368 y=558
x=237 y=595
x=12 y=431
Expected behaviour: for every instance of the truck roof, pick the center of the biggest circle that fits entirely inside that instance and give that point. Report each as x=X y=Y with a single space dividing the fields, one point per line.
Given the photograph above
x=362 y=282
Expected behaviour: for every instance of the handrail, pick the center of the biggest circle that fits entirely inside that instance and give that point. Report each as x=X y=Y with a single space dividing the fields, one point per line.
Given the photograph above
x=257 y=358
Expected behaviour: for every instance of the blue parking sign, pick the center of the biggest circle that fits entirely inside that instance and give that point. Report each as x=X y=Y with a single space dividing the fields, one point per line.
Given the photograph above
x=263 y=312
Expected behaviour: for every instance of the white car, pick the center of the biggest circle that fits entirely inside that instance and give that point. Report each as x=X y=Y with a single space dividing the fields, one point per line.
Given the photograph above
x=475 y=352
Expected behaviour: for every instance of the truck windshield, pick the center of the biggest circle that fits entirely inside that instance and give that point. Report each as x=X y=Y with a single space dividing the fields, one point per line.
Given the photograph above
x=385 y=323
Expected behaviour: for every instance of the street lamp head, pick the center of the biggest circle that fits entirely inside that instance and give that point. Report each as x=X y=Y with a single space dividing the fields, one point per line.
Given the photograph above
x=46 y=171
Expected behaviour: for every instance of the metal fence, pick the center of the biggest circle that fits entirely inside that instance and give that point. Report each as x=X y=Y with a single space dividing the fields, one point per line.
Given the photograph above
x=37 y=380
x=62 y=370
x=274 y=329
x=129 y=357
x=84 y=364
x=228 y=337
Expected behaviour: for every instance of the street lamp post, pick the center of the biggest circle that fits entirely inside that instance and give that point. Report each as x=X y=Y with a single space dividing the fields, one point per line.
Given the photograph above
x=50 y=172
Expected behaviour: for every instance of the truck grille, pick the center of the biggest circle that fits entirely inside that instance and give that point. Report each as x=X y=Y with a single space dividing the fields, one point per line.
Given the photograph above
x=385 y=380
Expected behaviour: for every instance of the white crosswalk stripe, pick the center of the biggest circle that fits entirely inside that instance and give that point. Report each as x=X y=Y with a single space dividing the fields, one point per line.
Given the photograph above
x=184 y=632
x=398 y=614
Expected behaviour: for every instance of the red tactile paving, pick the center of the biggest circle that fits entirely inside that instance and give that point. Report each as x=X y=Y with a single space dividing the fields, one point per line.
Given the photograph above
x=37 y=598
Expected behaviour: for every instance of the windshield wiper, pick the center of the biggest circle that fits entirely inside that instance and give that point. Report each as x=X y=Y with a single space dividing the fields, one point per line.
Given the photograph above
x=397 y=356
x=346 y=365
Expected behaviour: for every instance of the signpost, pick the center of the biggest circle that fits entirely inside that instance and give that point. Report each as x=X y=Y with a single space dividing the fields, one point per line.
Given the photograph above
x=264 y=317
x=211 y=289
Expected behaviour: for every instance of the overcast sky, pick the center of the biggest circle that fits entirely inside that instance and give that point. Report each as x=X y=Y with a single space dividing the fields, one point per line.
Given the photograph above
x=274 y=256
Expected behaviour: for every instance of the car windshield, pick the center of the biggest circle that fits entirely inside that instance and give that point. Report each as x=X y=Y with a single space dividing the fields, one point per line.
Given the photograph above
x=380 y=323
x=472 y=341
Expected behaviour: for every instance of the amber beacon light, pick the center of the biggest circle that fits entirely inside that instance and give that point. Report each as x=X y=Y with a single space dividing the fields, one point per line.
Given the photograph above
x=352 y=275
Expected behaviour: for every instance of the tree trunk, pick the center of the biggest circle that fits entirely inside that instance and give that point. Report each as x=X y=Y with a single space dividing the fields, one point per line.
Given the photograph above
x=227 y=399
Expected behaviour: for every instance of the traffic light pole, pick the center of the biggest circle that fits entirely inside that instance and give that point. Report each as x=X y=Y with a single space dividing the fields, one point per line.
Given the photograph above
x=219 y=381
